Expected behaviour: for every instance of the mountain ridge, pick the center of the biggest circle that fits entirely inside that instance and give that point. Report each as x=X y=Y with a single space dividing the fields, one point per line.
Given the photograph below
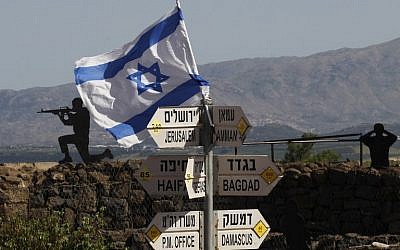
x=354 y=80
x=323 y=92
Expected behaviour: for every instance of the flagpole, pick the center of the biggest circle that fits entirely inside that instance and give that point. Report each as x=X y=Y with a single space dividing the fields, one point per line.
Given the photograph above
x=209 y=230
x=209 y=227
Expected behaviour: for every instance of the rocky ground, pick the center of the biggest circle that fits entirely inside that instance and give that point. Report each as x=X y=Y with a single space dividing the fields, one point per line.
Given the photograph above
x=339 y=202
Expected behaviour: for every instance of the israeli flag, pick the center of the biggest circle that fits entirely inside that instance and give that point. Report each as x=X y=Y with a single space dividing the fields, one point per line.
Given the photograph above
x=122 y=89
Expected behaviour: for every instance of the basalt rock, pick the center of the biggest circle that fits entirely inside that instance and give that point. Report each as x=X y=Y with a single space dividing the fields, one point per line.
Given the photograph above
x=332 y=199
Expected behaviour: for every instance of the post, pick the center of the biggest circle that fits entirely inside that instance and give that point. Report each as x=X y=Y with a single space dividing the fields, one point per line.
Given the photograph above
x=209 y=228
x=361 y=153
x=272 y=153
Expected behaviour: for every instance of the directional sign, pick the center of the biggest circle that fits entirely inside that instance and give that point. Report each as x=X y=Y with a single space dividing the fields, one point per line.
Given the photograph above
x=175 y=230
x=227 y=115
x=195 y=180
x=196 y=188
x=176 y=137
x=176 y=127
x=246 y=175
x=174 y=117
x=231 y=125
x=236 y=229
x=165 y=174
x=240 y=229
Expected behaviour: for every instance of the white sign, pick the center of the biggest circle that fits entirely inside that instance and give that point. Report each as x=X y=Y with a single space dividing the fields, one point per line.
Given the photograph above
x=195 y=180
x=246 y=175
x=228 y=136
x=195 y=168
x=231 y=125
x=160 y=186
x=240 y=229
x=180 y=240
x=236 y=229
x=174 y=117
x=175 y=230
x=243 y=164
x=196 y=188
x=165 y=174
x=176 y=137
x=176 y=127
x=227 y=115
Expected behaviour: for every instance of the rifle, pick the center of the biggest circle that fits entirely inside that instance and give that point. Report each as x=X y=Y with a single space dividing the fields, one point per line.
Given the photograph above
x=63 y=111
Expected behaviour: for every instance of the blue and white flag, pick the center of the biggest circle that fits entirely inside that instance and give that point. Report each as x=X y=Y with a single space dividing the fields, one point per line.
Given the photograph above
x=122 y=89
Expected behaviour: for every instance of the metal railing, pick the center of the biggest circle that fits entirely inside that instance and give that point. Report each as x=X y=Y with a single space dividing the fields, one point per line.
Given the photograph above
x=317 y=139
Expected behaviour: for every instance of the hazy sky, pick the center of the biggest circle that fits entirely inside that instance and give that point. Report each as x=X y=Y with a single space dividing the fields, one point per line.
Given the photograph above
x=41 y=39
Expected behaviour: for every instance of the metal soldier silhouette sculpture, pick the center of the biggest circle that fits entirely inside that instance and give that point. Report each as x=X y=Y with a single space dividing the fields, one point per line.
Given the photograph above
x=78 y=117
x=379 y=145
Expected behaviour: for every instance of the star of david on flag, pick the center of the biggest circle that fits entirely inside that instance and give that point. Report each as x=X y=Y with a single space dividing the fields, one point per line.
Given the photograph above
x=123 y=88
x=154 y=70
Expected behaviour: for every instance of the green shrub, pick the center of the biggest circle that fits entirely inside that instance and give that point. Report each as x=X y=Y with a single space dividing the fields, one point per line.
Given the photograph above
x=304 y=152
x=299 y=151
x=324 y=156
x=51 y=232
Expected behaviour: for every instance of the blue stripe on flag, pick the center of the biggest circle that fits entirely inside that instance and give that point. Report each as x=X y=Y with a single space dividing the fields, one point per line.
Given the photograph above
x=139 y=122
x=148 y=39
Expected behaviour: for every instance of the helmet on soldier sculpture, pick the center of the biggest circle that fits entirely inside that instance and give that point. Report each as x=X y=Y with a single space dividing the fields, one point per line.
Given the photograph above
x=77 y=103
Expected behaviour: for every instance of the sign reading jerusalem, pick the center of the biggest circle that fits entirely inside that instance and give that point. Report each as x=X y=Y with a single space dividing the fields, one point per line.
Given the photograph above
x=246 y=175
x=176 y=127
x=231 y=125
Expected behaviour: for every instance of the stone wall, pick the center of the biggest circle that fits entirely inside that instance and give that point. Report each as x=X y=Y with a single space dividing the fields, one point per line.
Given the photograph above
x=339 y=199
x=14 y=188
x=81 y=190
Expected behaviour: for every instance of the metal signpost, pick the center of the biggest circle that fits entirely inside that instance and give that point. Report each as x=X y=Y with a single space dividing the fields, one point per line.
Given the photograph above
x=209 y=227
x=176 y=230
x=205 y=126
x=176 y=127
x=165 y=174
x=231 y=125
x=240 y=229
x=246 y=175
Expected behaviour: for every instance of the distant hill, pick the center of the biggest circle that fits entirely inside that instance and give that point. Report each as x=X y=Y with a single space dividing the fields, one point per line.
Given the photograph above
x=21 y=125
x=322 y=93
x=364 y=128
x=326 y=91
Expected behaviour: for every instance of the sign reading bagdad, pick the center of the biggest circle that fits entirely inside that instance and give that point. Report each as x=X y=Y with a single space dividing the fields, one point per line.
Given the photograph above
x=246 y=175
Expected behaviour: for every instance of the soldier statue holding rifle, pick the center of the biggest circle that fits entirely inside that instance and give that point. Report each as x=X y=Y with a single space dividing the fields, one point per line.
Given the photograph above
x=77 y=117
